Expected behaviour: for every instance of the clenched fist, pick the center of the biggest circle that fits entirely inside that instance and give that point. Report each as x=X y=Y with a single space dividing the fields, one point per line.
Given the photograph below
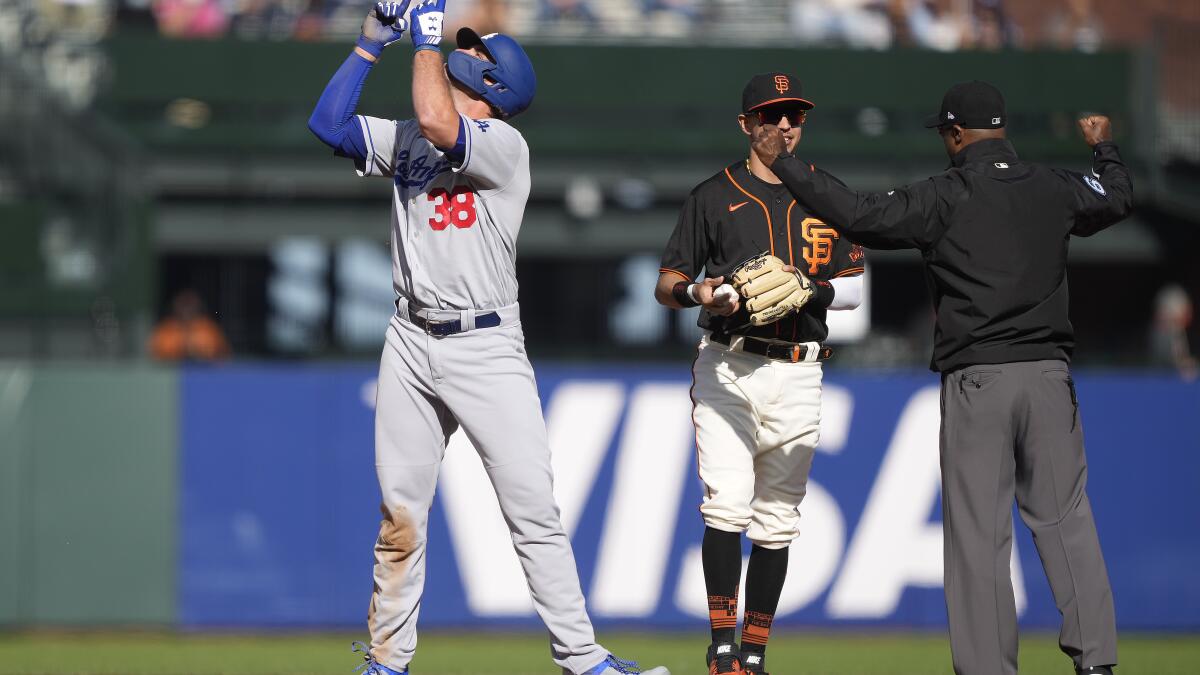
x=1096 y=129
x=768 y=143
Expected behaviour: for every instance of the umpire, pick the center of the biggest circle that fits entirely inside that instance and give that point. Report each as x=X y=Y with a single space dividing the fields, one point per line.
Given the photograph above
x=994 y=231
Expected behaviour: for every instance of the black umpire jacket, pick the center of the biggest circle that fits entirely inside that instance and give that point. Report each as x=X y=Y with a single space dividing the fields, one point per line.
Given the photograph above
x=993 y=231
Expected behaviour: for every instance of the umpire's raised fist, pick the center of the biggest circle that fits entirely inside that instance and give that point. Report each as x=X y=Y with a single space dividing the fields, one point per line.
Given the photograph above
x=1096 y=129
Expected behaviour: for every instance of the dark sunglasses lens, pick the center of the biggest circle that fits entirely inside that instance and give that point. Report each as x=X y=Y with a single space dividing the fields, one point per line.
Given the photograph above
x=794 y=117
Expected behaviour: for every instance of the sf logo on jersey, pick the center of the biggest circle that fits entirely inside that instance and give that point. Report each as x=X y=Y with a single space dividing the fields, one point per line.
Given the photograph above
x=820 y=243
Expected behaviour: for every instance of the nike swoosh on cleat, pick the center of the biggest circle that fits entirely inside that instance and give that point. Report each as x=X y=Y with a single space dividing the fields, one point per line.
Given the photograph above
x=735 y=207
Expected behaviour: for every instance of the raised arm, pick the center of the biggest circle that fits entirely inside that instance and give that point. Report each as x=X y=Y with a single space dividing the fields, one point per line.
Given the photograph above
x=433 y=106
x=333 y=120
x=908 y=217
x=1106 y=196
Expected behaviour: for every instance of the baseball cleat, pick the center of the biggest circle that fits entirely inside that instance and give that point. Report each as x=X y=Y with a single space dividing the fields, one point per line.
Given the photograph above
x=370 y=666
x=614 y=666
x=1096 y=670
x=754 y=662
x=723 y=658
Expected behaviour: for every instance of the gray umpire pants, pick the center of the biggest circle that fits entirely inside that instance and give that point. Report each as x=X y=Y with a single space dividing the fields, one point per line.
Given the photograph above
x=1013 y=430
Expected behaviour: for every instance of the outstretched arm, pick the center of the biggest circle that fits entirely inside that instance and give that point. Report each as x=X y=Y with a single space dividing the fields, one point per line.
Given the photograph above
x=907 y=217
x=333 y=119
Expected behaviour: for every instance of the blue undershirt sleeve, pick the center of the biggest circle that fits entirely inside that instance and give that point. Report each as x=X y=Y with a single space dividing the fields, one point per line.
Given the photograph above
x=459 y=152
x=333 y=120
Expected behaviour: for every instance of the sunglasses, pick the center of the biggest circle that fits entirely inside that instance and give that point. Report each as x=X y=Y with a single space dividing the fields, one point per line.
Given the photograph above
x=795 y=116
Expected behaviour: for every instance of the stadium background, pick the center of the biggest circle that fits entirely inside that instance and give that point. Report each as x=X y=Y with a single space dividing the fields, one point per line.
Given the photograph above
x=156 y=149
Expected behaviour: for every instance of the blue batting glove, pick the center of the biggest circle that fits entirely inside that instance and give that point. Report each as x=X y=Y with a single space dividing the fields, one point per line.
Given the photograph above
x=385 y=24
x=426 y=19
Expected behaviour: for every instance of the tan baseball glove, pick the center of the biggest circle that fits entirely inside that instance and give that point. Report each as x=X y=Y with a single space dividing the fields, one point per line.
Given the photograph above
x=771 y=292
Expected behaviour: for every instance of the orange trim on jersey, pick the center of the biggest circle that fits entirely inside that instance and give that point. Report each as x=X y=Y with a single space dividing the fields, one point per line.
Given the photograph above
x=850 y=272
x=766 y=212
x=791 y=256
x=668 y=270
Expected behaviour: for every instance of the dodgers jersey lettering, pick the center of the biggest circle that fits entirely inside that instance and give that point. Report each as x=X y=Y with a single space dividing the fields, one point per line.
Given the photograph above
x=454 y=228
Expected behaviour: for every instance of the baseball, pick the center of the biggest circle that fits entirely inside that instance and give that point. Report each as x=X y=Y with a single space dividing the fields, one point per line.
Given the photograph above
x=725 y=292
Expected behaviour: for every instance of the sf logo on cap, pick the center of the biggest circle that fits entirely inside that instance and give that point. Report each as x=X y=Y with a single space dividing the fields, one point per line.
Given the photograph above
x=781 y=83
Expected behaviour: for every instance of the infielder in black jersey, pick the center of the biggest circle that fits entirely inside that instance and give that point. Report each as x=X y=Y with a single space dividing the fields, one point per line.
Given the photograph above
x=757 y=388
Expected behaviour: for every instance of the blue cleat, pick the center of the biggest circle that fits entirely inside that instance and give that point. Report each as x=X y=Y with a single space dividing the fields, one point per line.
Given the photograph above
x=614 y=666
x=370 y=666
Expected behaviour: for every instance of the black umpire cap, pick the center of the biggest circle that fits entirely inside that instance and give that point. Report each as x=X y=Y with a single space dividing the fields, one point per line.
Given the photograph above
x=971 y=105
x=771 y=88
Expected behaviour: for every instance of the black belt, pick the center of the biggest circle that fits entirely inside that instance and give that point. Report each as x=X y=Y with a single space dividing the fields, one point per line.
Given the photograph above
x=780 y=351
x=453 y=326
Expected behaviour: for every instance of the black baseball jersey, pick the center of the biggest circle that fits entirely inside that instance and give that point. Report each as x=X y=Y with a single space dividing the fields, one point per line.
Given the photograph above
x=734 y=216
x=993 y=230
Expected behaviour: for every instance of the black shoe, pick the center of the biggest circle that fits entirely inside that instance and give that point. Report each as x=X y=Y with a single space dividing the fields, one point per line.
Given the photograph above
x=1096 y=670
x=754 y=662
x=723 y=658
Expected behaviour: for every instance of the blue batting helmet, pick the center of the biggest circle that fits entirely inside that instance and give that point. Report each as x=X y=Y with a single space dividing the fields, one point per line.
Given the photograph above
x=508 y=84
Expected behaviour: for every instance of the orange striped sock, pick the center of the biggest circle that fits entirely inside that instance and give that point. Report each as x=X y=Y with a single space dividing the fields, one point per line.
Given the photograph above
x=756 y=629
x=722 y=617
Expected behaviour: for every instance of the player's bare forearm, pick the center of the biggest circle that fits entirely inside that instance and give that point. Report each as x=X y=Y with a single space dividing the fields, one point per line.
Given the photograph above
x=432 y=104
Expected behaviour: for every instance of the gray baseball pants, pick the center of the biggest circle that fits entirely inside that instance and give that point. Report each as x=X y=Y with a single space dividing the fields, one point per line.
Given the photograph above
x=1013 y=430
x=481 y=380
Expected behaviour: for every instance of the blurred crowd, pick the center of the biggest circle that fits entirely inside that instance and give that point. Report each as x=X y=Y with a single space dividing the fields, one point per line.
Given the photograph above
x=945 y=25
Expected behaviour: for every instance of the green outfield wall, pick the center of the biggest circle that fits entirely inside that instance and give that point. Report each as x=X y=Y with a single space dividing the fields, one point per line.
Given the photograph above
x=88 y=494
x=614 y=102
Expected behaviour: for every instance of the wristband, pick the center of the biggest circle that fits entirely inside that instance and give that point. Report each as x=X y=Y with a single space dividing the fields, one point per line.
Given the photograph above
x=370 y=46
x=681 y=291
x=421 y=47
x=822 y=293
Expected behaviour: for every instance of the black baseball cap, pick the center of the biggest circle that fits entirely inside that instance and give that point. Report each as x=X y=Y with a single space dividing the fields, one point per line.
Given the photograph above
x=971 y=105
x=770 y=88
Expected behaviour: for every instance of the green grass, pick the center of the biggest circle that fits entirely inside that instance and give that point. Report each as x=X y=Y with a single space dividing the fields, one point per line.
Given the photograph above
x=444 y=653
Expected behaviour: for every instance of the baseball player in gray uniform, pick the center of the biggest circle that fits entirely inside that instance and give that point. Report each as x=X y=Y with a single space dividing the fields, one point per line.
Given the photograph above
x=455 y=354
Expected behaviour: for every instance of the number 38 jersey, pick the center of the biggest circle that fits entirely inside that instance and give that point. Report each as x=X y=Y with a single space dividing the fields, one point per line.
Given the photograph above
x=454 y=226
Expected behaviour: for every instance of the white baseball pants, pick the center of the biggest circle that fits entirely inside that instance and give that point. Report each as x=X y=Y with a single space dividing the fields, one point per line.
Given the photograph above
x=482 y=380
x=757 y=424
